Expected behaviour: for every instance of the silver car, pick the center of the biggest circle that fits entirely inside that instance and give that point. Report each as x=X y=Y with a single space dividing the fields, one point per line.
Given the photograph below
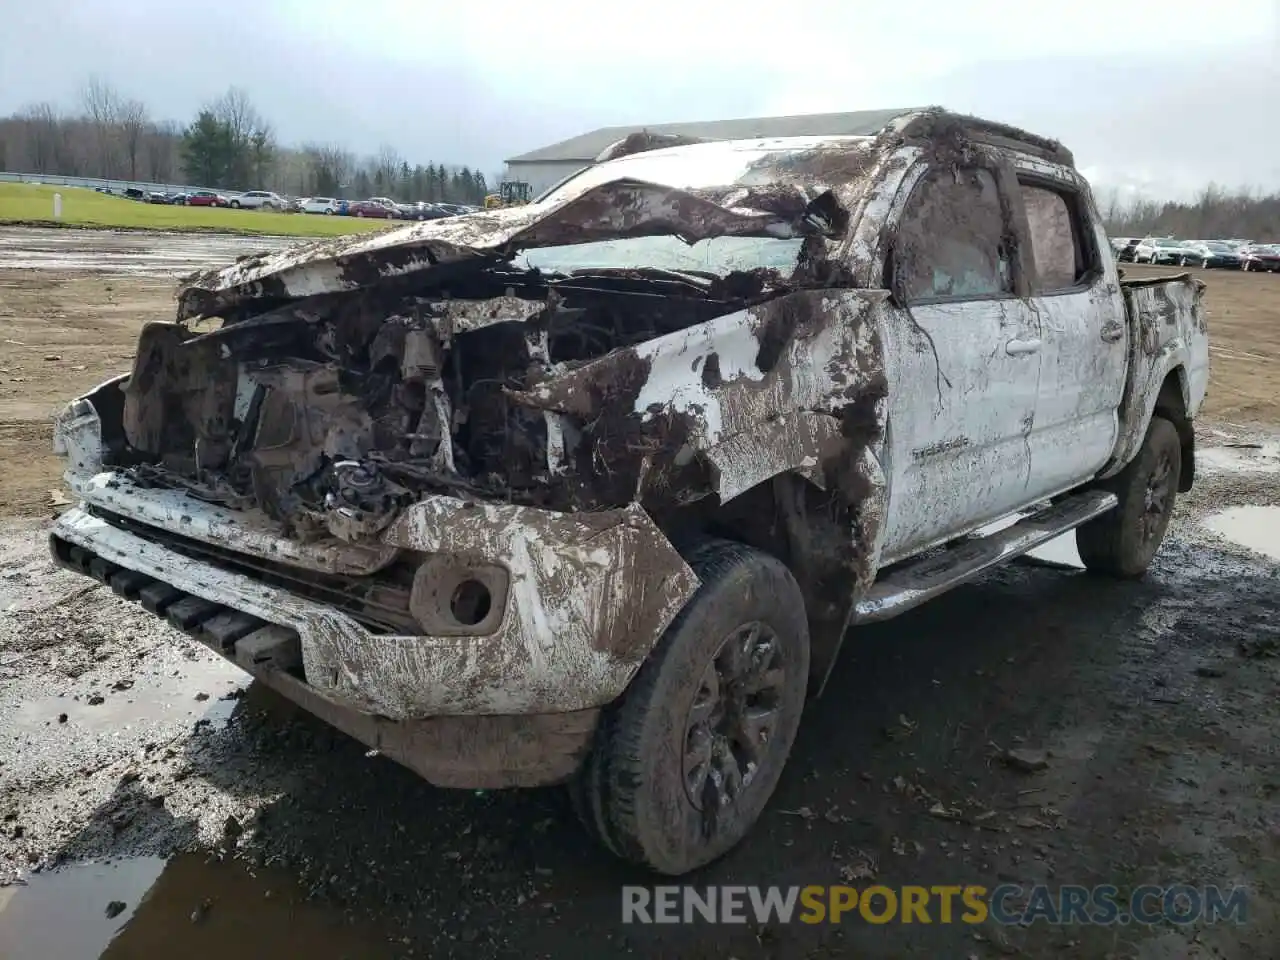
x=259 y=200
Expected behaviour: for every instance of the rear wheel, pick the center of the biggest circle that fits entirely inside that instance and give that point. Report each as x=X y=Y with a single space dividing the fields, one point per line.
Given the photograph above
x=1123 y=542
x=686 y=760
x=235 y=204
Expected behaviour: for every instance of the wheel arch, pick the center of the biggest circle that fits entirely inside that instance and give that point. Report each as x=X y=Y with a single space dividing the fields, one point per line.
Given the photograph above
x=828 y=537
x=1171 y=405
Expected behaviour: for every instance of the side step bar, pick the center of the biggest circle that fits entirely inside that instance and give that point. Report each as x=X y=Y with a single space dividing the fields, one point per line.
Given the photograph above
x=918 y=581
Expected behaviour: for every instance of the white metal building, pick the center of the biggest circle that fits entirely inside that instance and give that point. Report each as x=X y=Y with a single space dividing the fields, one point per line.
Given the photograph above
x=545 y=167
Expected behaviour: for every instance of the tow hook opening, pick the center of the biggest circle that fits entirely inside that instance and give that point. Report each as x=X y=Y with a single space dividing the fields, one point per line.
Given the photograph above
x=470 y=603
x=457 y=597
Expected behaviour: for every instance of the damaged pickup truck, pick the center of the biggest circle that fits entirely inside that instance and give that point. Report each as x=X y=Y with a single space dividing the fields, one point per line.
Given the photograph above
x=590 y=491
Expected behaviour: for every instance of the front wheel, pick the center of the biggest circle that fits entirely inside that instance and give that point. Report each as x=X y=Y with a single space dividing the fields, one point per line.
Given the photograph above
x=235 y=204
x=686 y=760
x=1123 y=542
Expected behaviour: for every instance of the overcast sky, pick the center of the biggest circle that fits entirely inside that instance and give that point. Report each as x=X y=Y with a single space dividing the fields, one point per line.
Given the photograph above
x=1159 y=97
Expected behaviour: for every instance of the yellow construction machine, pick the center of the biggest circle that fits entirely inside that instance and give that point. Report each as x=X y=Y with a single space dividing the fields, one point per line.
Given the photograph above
x=511 y=193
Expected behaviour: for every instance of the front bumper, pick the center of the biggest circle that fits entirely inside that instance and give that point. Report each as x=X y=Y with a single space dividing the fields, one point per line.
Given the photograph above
x=586 y=596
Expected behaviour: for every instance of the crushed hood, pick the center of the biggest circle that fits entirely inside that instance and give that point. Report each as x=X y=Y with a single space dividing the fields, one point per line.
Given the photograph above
x=619 y=209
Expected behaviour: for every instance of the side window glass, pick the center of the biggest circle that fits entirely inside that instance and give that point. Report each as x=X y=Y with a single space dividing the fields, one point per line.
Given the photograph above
x=1057 y=246
x=951 y=240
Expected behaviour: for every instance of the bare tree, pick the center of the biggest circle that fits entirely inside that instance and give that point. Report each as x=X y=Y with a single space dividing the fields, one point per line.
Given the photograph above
x=42 y=133
x=236 y=110
x=133 y=124
x=331 y=168
x=161 y=144
x=101 y=104
x=386 y=168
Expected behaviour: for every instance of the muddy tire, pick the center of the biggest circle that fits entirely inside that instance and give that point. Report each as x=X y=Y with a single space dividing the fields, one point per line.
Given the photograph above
x=1123 y=542
x=687 y=758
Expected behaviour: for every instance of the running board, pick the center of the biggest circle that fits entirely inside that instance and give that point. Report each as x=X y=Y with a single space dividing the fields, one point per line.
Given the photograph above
x=919 y=581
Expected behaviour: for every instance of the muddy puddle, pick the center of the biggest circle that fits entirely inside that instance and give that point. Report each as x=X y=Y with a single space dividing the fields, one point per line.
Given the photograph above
x=1257 y=528
x=194 y=906
x=206 y=691
x=1241 y=457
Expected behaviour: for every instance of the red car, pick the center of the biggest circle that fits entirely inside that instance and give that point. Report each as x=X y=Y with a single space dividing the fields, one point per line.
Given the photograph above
x=1260 y=256
x=205 y=198
x=376 y=207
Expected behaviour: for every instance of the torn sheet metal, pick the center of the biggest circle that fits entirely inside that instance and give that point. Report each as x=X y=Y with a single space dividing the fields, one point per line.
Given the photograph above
x=1168 y=324
x=717 y=386
x=615 y=210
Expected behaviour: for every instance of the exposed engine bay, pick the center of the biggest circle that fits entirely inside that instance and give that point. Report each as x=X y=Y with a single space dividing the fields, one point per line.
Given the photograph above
x=333 y=412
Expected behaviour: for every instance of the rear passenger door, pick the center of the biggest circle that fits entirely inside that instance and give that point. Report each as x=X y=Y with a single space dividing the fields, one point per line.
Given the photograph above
x=1075 y=291
x=962 y=357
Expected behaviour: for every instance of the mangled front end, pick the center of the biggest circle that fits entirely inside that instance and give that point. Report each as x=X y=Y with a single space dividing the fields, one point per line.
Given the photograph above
x=460 y=484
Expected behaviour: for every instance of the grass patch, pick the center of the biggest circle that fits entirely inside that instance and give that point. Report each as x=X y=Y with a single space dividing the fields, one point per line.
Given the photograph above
x=33 y=204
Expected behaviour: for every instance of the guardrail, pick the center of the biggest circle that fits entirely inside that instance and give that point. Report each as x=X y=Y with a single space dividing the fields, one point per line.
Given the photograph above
x=97 y=183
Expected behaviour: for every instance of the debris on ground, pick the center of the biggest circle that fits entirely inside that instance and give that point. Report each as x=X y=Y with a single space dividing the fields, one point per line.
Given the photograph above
x=1025 y=761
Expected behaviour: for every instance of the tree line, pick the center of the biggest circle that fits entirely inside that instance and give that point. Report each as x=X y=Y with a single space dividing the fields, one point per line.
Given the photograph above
x=227 y=145
x=1215 y=214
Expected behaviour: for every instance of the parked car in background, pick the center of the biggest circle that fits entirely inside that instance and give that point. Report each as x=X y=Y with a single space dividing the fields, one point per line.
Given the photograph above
x=1159 y=250
x=1260 y=256
x=320 y=205
x=157 y=196
x=373 y=207
x=259 y=200
x=455 y=209
x=133 y=193
x=205 y=198
x=421 y=211
x=1210 y=253
x=1124 y=247
x=342 y=207
x=178 y=199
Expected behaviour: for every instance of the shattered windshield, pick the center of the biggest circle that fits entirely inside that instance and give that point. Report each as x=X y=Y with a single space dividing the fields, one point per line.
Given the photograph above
x=702 y=167
x=717 y=256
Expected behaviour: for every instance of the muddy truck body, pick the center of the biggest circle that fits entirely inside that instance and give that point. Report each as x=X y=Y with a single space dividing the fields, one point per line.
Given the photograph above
x=590 y=491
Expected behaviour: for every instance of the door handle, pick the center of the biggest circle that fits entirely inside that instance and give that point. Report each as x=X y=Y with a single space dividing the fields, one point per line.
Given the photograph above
x=1112 y=332
x=1020 y=348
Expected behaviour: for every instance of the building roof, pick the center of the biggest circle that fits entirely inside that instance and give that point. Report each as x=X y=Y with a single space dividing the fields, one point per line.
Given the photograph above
x=586 y=147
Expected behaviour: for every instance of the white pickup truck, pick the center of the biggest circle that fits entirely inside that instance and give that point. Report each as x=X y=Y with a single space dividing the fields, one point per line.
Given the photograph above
x=590 y=491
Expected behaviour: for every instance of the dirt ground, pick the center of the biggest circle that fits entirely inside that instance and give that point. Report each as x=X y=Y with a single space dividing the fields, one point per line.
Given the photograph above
x=152 y=803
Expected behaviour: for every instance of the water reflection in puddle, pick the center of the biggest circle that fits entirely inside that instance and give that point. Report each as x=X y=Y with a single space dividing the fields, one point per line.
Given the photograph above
x=191 y=906
x=1257 y=528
